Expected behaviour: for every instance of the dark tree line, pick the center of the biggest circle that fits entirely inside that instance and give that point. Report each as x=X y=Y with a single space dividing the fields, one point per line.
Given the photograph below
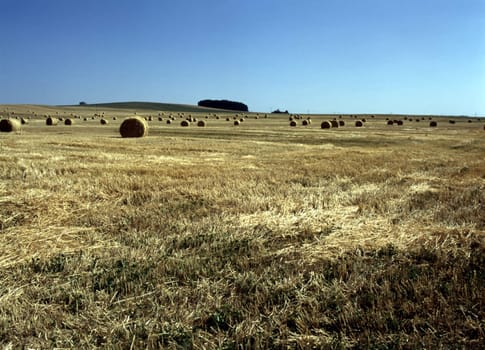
x=224 y=104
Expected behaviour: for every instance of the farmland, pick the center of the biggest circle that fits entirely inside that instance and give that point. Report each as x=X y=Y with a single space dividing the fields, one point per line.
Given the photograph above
x=255 y=236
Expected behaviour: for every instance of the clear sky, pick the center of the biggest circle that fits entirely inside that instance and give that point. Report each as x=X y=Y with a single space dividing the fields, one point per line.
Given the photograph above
x=317 y=56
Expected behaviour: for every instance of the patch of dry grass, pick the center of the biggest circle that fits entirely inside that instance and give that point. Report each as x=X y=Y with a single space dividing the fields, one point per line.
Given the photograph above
x=260 y=236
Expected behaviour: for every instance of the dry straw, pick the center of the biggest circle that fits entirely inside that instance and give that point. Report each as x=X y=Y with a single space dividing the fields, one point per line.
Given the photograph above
x=433 y=124
x=9 y=125
x=51 y=121
x=185 y=123
x=292 y=123
x=103 y=121
x=359 y=123
x=68 y=121
x=201 y=123
x=334 y=123
x=134 y=127
x=325 y=125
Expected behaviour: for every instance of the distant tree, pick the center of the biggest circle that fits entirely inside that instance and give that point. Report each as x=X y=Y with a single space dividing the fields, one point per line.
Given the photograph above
x=224 y=104
x=82 y=103
x=278 y=112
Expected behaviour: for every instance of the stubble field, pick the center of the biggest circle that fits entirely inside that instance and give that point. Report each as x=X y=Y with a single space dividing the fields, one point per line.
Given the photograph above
x=254 y=236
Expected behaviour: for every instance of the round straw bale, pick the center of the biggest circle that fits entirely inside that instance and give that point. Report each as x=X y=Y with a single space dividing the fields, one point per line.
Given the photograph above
x=390 y=122
x=359 y=123
x=24 y=121
x=292 y=123
x=433 y=123
x=51 y=121
x=334 y=123
x=134 y=127
x=68 y=121
x=201 y=123
x=160 y=119
x=169 y=121
x=304 y=122
x=451 y=121
x=103 y=121
x=9 y=125
x=185 y=123
x=341 y=123
x=399 y=122
x=236 y=122
x=325 y=125
x=228 y=119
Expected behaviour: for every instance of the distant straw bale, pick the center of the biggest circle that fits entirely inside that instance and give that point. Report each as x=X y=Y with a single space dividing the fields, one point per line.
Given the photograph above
x=185 y=123
x=433 y=124
x=292 y=123
x=10 y=125
x=201 y=123
x=325 y=125
x=334 y=123
x=236 y=123
x=103 y=121
x=359 y=123
x=68 y=121
x=341 y=123
x=51 y=121
x=134 y=127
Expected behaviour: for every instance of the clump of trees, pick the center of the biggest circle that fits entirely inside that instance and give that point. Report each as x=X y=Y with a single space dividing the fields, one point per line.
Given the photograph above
x=278 y=111
x=224 y=104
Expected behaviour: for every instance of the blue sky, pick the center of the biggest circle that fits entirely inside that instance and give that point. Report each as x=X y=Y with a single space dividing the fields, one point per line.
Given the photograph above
x=343 y=56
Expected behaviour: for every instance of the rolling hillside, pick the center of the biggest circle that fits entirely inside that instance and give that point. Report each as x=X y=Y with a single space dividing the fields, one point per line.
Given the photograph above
x=154 y=106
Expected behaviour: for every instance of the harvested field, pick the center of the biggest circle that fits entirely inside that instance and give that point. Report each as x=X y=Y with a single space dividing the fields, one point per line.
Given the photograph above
x=261 y=236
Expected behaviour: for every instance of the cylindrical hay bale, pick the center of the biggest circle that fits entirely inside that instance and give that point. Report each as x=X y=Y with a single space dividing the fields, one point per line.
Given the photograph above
x=114 y=118
x=51 y=121
x=400 y=122
x=304 y=122
x=325 y=125
x=68 y=121
x=201 y=123
x=103 y=121
x=433 y=123
x=228 y=119
x=160 y=119
x=236 y=123
x=341 y=123
x=451 y=121
x=292 y=123
x=9 y=125
x=134 y=127
x=359 y=123
x=169 y=121
x=24 y=121
x=185 y=123
x=390 y=122
x=334 y=123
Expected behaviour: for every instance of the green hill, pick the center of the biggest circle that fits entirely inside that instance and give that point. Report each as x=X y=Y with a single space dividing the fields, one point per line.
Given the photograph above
x=153 y=106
